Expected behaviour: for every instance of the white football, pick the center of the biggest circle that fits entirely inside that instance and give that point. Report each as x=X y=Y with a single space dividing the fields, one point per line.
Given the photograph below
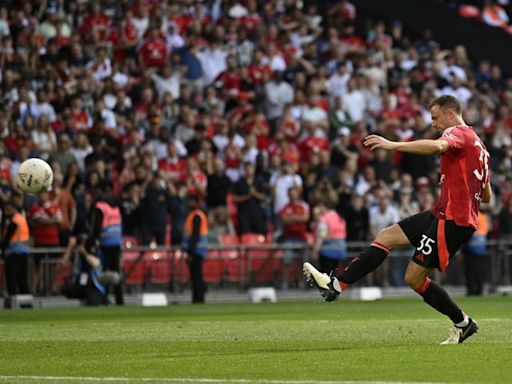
x=34 y=176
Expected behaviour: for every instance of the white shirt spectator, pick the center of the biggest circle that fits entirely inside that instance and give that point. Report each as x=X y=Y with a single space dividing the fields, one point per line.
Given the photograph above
x=121 y=79
x=449 y=71
x=109 y=118
x=277 y=95
x=169 y=84
x=100 y=71
x=381 y=219
x=173 y=41
x=222 y=141
x=281 y=183
x=338 y=84
x=45 y=141
x=355 y=104
x=315 y=115
x=213 y=62
x=38 y=109
x=80 y=154
x=141 y=25
x=461 y=93
x=276 y=62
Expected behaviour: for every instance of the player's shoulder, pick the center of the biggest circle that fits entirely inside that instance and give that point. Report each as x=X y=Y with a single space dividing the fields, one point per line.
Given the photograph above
x=459 y=131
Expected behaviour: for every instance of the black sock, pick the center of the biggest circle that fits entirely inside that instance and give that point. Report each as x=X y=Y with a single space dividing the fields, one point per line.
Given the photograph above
x=435 y=296
x=366 y=262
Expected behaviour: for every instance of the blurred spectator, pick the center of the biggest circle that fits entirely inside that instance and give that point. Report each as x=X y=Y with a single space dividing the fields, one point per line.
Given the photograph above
x=63 y=154
x=330 y=238
x=294 y=218
x=475 y=252
x=358 y=221
x=66 y=202
x=45 y=219
x=219 y=186
x=15 y=238
x=494 y=14
x=44 y=138
x=278 y=94
x=339 y=118
x=281 y=182
x=131 y=210
x=381 y=216
x=248 y=194
x=80 y=150
x=154 y=204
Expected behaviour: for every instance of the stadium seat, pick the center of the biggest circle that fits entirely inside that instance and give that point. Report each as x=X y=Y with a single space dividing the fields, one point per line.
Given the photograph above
x=234 y=264
x=213 y=267
x=159 y=266
x=133 y=266
x=181 y=271
x=261 y=265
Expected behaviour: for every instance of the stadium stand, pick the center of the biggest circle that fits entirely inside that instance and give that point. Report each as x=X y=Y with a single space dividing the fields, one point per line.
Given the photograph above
x=150 y=93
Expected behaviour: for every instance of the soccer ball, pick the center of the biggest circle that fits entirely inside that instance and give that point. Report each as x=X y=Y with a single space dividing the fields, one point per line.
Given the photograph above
x=34 y=176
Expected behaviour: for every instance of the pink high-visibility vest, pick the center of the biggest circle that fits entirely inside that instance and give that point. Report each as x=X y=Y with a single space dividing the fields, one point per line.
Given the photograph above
x=335 y=224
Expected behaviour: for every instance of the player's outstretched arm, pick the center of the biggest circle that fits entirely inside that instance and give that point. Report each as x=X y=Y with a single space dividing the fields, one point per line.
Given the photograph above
x=418 y=147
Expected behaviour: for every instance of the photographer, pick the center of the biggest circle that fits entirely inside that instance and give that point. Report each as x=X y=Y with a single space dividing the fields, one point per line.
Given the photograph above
x=84 y=283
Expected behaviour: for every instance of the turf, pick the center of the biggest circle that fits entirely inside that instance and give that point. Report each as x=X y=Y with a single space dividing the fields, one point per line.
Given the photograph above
x=385 y=341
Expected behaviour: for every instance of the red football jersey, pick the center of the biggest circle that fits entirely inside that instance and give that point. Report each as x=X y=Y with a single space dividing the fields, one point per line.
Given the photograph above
x=464 y=174
x=295 y=230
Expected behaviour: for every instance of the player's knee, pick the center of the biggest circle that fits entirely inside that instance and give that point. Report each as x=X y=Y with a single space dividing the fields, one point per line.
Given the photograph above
x=413 y=280
x=385 y=237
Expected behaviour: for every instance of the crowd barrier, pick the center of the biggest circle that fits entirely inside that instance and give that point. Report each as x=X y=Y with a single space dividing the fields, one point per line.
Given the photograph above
x=243 y=266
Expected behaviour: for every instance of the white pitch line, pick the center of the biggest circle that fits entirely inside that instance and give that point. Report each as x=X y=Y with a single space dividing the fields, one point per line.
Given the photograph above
x=197 y=380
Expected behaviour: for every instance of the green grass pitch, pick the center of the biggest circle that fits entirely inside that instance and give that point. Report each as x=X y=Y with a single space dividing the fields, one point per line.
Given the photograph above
x=389 y=341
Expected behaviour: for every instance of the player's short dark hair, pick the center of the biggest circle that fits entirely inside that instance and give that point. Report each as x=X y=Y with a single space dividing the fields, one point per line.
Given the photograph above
x=448 y=102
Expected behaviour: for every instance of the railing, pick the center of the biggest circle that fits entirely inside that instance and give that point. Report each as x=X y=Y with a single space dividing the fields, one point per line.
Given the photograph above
x=243 y=266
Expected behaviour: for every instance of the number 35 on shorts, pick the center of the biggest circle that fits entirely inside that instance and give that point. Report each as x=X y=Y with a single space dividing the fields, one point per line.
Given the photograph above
x=426 y=245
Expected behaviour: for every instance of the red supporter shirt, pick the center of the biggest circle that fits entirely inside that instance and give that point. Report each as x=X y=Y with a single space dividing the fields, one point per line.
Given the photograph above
x=250 y=22
x=258 y=73
x=289 y=154
x=46 y=234
x=201 y=178
x=173 y=168
x=295 y=230
x=464 y=174
x=310 y=145
x=153 y=53
x=99 y=25
x=80 y=120
x=229 y=81
x=129 y=30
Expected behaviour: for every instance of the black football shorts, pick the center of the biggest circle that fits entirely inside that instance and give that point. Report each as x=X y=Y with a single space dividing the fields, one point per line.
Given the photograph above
x=436 y=241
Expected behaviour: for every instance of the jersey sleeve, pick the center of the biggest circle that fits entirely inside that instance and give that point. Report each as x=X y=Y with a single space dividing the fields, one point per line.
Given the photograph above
x=455 y=137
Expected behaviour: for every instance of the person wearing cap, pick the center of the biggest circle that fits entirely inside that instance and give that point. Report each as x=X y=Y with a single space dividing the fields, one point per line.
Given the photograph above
x=195 y=238
x=15 y=236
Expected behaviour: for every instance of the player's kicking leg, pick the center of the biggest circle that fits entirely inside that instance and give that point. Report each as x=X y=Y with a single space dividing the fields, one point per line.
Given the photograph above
x=330 y=287
x=416 y=276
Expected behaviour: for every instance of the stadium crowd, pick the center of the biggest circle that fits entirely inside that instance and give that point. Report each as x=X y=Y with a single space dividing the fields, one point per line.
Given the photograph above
x=251 y=106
